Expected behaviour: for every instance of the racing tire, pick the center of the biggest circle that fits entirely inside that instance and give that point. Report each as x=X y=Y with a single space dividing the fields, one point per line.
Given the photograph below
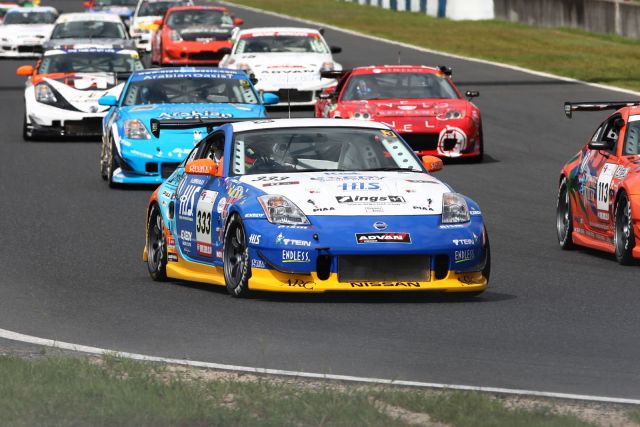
x=103 y=161
x=156 y=245
x=111 y=166
x=26 y=134
x=564 y=217
x=236 y=263
x=623 y=238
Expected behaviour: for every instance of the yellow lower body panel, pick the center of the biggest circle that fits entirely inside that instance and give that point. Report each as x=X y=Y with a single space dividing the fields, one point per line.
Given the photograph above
x=275 y=281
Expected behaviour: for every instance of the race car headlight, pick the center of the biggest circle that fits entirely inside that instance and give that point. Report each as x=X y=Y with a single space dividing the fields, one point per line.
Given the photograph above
x=134 y=129
x=327 y=66
x=174 y=36
x=45 y=94
x=451 y=115
x=454 y=209
x=280 y=210
x=362 y=115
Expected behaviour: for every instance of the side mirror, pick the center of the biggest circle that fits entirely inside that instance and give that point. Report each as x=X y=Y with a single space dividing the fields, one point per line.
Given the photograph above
x=432 y=163
x=108 y=101
x=237 y=22
x=601 y=145
x=204 y=167
x=25 y=70
x=618 y=123
x=270 y=98
x=335 y=49
x=224 y=51
x=471 y=94
x=253 y=79
x=87 y=5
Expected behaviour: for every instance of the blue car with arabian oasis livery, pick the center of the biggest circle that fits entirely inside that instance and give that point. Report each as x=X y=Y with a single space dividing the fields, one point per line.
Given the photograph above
x=313 y=205
x=132 y=154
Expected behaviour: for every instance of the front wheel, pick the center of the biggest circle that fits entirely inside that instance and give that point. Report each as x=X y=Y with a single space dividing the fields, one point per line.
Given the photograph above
x=156 y=246
x=564 y=220
x=236 y=258
x=623 y=238
x=27 y=134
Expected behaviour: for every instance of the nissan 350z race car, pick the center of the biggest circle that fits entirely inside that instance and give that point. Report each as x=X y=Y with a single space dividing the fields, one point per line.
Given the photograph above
x=599 y=187
x=63 y=89
x=24 y=30
x=313 y=205
x=419 y=102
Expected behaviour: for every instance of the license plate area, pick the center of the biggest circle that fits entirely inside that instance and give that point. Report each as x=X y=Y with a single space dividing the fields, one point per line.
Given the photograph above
x=380 y=268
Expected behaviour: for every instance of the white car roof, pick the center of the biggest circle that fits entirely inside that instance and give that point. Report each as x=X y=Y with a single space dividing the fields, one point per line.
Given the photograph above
x=80 y=17
x=38 y=9
x=296 y=123
x=265 y=31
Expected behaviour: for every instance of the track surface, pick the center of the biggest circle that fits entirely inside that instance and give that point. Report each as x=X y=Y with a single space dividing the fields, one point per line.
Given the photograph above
x=554 y=321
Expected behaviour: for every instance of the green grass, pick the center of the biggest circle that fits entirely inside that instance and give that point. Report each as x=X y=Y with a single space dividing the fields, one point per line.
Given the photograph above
x=611 y=60
x=73 y=391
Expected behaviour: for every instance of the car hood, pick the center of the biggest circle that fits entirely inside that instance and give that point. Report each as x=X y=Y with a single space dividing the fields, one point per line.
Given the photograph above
x=405 y=107
x=82 y=90
x=26 y=31
x=356 y=193
x=190 y=111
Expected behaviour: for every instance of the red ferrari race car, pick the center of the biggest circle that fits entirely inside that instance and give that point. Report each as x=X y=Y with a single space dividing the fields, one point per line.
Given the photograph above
x=193 y=35
x=599 y=188
x=421 y=103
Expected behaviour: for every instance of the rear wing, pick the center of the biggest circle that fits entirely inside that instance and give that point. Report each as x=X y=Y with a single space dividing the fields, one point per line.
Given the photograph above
x=570 y=107
x=334 y=74
x=210 y=124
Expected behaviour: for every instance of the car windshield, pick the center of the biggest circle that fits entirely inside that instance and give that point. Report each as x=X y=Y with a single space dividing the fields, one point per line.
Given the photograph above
x=157 y=8
x=89 y=30
x=90 y=62
x=398 y=85
x=320 y=149
x=107 y=3
x=29 y=18
x=180 y=90
x=297 y=43
x=198 y=17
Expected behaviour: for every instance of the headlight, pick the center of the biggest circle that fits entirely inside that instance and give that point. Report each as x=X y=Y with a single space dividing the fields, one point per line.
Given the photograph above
x=327 y=66
x=174 y=36
x=134 y=129
x=362 y=116
x=451 y=115
x=280 y=210
x=454 y=209
x=45 y=94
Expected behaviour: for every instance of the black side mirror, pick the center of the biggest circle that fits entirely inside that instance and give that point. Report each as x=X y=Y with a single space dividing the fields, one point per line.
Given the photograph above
x=618 y=123
x=224 y=51
x=471 y=94
x=336 y=49
x=253 y=79
x=447 y=71
x=601 y=145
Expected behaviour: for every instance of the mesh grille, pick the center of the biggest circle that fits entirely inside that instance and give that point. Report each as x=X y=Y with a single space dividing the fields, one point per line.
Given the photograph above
x=168 y=168
x=294 y=95
x=356 y=268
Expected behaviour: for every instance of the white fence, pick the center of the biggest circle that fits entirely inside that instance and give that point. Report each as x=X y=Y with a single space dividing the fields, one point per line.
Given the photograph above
x=452 y=9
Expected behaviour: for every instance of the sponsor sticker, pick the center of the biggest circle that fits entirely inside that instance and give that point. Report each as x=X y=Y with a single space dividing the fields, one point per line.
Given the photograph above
x=386 y=237
x=290 y=256
x=464 y=255
x=365 y=200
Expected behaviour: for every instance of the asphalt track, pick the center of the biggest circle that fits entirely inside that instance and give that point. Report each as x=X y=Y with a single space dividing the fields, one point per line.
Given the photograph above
x=71 y=266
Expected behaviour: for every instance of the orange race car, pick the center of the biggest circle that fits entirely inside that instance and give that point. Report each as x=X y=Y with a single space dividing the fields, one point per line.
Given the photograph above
x=599 y=188
x=193 y=35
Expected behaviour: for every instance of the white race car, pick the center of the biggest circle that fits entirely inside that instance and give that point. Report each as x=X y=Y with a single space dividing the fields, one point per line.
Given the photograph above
x=89 y=30
x=147 y=18
x=24 y=30
x=61 y=95
x=286 y=61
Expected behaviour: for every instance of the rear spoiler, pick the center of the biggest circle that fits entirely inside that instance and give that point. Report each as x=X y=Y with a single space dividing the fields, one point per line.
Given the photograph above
x=210 y=124
x=334 y=74
x=570 y=107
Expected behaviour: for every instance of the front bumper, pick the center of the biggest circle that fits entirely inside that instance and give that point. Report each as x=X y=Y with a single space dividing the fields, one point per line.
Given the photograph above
x=194 y=53
x=142 y=41
x=20 y=51
x=300 y=95
x=47 y=120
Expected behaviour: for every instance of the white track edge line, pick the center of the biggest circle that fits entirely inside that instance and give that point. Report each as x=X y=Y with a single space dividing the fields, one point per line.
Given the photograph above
x=433 y=51
x=15 y=336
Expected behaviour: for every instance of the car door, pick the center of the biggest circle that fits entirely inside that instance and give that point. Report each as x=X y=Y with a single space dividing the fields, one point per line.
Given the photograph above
x=196 y=207
x=600 y=166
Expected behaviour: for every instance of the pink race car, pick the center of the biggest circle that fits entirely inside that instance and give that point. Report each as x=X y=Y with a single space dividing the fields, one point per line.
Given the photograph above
x=421 y=103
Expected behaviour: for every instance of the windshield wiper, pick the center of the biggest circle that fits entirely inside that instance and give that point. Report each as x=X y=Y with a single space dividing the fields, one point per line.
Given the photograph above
x=392 y=169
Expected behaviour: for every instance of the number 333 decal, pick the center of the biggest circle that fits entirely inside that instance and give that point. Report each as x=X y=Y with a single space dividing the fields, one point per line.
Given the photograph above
x=203 y=222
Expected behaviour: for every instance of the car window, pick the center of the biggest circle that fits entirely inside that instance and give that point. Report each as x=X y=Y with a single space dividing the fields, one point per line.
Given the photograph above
x=29 y=18
x=89 y=30
x=610 y=133
x=157 y=8
x=398 y=85
x=310 y=43
x=632 y=137
x=90 y=62
x=198 y=17
x=214 y=147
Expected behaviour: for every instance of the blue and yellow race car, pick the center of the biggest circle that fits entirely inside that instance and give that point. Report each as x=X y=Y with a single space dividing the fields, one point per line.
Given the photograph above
x=132 y=154
x=313 y=205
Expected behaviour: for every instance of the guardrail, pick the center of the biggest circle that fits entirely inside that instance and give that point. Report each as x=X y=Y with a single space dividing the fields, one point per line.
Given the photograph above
x=452 y=9
x=620 y=17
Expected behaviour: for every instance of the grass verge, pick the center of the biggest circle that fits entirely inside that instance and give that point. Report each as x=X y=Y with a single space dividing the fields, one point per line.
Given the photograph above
x=62 y=390
x=605 y=59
